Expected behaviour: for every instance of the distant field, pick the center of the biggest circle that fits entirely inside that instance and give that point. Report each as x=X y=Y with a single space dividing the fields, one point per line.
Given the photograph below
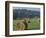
x=33 y=25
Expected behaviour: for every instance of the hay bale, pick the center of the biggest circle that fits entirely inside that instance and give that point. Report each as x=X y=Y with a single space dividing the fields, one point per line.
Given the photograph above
x=20 y=26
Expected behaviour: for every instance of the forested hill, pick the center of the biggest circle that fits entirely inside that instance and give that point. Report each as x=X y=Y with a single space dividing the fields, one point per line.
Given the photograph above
x=22 y=13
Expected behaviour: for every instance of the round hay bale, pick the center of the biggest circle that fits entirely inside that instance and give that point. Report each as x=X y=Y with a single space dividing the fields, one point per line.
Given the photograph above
x=20 y=26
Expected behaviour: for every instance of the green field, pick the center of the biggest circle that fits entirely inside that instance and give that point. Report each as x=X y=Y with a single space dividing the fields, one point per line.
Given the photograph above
x=33 y=25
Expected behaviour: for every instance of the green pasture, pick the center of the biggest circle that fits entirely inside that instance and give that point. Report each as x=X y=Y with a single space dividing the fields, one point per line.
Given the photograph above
x=33 y=25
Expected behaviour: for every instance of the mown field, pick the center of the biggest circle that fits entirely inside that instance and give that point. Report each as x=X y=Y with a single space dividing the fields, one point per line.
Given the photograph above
x=33 y=25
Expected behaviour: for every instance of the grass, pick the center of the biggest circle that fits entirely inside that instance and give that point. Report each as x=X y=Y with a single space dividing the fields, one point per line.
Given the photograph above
x=33 y=25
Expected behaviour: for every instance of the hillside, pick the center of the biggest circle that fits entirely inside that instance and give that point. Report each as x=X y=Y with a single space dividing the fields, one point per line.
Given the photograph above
x=22 y=13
